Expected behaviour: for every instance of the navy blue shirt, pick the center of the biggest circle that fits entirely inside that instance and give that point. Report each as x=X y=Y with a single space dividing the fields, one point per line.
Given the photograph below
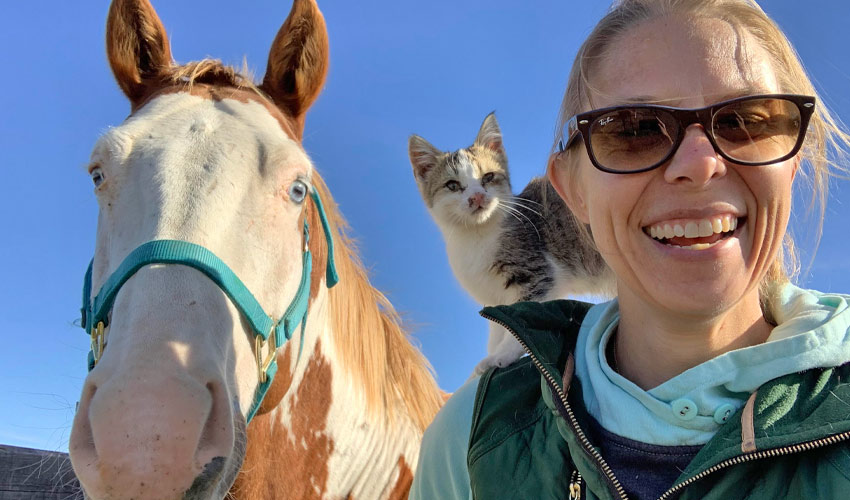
x=646 y=471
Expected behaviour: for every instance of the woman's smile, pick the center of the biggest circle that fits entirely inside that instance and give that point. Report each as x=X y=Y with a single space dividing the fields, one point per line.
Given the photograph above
x=698 y=233
x=697 y=238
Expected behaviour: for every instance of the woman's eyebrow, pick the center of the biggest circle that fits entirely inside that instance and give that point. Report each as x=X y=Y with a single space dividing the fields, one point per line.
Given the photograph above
x=644 y=100
x=673 y=101
x=750 y=90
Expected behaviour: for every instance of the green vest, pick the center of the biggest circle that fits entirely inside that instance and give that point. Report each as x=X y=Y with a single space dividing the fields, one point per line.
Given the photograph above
x=792 y=440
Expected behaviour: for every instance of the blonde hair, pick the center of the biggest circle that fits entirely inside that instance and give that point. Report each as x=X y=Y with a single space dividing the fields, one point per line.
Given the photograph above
x=825 y=151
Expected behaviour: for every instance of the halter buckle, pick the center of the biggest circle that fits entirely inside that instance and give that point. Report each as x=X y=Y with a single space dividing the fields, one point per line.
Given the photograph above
x=97 y=341
x=264 y=364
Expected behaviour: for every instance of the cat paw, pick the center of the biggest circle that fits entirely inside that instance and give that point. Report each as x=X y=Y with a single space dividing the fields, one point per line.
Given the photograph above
x=482 y=366
x=499 y=360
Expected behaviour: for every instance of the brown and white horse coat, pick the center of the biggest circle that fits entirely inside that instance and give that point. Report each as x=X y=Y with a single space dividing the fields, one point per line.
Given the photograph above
x=209 y=158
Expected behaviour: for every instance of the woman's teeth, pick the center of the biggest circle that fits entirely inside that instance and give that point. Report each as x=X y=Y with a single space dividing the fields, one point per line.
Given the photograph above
x=703 y=228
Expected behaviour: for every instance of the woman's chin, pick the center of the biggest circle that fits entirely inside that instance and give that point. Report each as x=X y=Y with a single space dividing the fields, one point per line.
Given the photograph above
x=696 y=282
x=704 y=298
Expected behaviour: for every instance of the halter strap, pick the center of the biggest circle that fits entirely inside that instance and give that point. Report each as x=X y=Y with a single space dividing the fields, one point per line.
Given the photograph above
x=331 y=276
x=95 y=315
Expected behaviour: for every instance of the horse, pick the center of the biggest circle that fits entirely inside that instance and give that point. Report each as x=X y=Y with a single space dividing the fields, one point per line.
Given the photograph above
x=238 y=348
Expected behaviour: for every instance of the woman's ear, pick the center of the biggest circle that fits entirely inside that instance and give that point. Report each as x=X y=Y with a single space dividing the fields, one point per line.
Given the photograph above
x=567 y=186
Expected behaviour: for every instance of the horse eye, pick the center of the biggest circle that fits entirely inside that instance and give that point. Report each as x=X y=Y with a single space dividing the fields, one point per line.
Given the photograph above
x=97 y=176
x=298 y=191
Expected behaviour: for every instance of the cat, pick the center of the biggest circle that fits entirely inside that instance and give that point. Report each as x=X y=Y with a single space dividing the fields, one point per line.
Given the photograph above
x=504 y=248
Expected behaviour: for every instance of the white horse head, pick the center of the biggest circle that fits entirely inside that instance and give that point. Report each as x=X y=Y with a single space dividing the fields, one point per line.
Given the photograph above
x=214 y=163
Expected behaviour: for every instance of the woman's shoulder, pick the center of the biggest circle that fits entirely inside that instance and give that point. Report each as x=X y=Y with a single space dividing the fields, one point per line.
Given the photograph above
x=455 y=417
x=442 y=470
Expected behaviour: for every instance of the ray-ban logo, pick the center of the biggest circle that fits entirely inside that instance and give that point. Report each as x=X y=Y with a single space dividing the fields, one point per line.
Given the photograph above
x=606 y=121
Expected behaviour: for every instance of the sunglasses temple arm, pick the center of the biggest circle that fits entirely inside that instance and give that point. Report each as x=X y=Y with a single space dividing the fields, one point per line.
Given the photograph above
x=571 y=128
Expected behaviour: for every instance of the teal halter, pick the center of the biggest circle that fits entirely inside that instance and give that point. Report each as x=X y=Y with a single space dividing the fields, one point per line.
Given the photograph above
x=95 y=315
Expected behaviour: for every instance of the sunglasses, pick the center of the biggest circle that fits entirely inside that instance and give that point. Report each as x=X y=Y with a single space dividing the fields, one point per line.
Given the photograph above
x=752 y=130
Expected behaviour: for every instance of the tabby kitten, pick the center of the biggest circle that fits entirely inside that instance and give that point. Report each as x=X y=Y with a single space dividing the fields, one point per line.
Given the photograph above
x=504 y=248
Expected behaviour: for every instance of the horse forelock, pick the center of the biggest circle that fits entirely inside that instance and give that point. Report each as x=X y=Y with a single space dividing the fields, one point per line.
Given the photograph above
x=211 y=79
x=368 y=334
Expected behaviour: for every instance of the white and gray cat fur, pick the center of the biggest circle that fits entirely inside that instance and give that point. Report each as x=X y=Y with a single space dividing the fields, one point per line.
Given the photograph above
x=504 y=248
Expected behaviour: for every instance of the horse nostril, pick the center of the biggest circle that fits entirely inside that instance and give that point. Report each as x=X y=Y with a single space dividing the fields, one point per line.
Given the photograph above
x=218 y=434
x=82 y=440
x=207 y=480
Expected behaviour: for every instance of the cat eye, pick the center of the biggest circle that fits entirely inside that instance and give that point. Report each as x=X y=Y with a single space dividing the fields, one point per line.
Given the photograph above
x=453 y=186
x=488 y=177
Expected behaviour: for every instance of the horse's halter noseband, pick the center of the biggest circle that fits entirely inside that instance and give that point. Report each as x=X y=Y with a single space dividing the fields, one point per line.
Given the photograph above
x=95 y=315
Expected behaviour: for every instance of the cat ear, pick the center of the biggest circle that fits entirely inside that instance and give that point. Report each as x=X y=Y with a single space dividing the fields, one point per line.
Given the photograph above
x=567 y=186
x=489 y=136
x=423 y=156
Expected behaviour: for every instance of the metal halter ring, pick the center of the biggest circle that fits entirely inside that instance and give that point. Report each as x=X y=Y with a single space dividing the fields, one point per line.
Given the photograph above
x=263 y=364
x=97 y=341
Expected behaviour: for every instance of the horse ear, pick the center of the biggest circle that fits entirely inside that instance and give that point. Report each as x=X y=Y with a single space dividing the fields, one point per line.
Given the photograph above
x=489 y=136
x=137 y=47
x=423 y=156
x=298 y=61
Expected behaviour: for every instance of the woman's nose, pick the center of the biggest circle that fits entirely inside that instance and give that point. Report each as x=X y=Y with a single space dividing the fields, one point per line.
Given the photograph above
x=695 y=162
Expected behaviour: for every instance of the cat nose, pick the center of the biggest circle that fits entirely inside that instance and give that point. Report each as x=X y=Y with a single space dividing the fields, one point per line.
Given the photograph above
x=476 y=200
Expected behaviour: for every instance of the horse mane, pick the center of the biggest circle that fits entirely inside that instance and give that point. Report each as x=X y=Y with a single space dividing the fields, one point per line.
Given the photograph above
x=212 y=72
x=373 y=346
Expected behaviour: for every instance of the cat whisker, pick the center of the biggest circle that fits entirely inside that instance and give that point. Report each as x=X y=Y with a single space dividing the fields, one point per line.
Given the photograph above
x=515 y=198
x=514 y=209
x=518 y=212
x=505 y=210
x=517 y=204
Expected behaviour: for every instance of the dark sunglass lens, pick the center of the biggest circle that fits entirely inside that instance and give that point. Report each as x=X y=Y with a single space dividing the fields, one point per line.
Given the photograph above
x=633 y=138
x=757 y=130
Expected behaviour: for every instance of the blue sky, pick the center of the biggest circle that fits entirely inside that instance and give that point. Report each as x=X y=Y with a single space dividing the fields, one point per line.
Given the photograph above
x=434 y=68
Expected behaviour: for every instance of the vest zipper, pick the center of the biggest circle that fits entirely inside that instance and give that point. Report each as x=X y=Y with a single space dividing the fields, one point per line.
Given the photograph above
x=757 y=455
x=571 y=419
x=575 y=485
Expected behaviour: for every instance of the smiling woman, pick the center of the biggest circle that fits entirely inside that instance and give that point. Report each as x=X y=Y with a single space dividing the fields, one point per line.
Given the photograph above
x=695 y=119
